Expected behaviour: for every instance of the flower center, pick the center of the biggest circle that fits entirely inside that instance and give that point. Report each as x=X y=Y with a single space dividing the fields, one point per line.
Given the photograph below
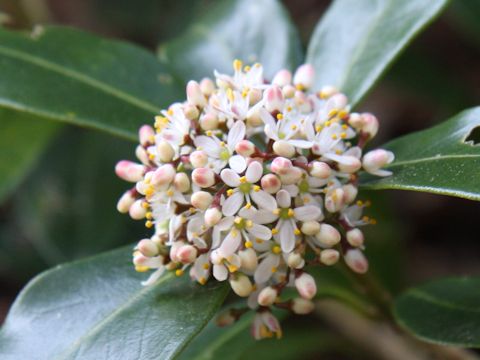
x=285 y=213
x=224 y=154
x=303 y=187
x=241 y=223
x=245 y=187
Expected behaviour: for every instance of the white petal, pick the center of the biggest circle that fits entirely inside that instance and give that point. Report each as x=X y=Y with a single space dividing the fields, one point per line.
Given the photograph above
x=263 y=216
x=154 y=277
x=307 y=213
x=292 y=190
x=302 y=144
x=235 y=134
x=270 y=133
x=267 y=118
x=233 y=204
x=260 y=232
x=237 y=163
x=248 y=213
x=207 y=144
x=264 y=199
x=380 y=172
x=264 y=269
x=225 y=224
x=283 y=199
x=287 y=236
x=220 y=272
x=230 y=177
x=254 y=172
x=230 y=244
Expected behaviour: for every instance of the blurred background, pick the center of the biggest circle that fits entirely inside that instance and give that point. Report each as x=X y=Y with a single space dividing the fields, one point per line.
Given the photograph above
x=419 y=237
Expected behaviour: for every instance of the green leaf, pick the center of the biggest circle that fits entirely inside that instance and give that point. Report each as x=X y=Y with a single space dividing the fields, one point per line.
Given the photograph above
x=444 y=159
x=356 y=41
x=97 y=308
x=249 y=30
x=445 y=311
x=22 y=140
x=69 y=75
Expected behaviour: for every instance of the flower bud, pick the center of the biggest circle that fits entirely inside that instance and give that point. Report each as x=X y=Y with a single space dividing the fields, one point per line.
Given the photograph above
x=253 y=118
x=164 y=175
x=288 y=91
x=350 y=192
x=226 y=318
x=187 y=254
x=255 y=95
x=209 y=121
x=282 y=78
x=212 y=216
x=295 y=261
x=129 y=171
x=195 y=95
x=306 y=286
x=191 y=111
x=328 y=236
x=370 y=124
x=137 y=211
x=267 y=296
x=281 y=165
x=203 y=177
x=198 y=158
x=356 y=261
x=327 y=91
x=273 y=99
x=329 y=256
x=304 y=76
x=241 y=285
x=248 y=259
x=176 y=245
x=271 y=183
x=334 y=200
x=147 y=247
x=207 y=86
x=283 y=148
x=146 y=135
x=310 y=227
x=301 y=306
x=245 y=148
x=181 y=182
x=142 y=155
x=355 y=237
x=125 y=202
x=376 y=159
x=165 y=151
x=320 y=169
x=349 y=164
x=292 y=176
x=201 y=200
x=355 y=120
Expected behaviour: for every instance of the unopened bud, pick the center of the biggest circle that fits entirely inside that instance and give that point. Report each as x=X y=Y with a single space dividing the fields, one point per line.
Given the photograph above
x=310 y=227
x=370 y=124
x=253 y=118
x=334 y=201
x=201 y=200
x=271 y=183
x=248 y=259
x=209 y=121
x=146 y=134
x=164 y=175
x=191 y=111
x=327 y=91
x=203 y=177
x=125 y=202
x=212 y=216
x=283 y=148
x=176 y=245
x=165 y=151
x=281 y=165
x=147 y=247
x=137 y=211
x=181 y=182
x=288 y=91
x=328 y=236
x=267 y=296
x=356 y=261
x=273 y=99
x=355 y=120
x=198 y=158
x=355 y=237
x=245 y=148
x=207 y=86
x=187 y=254
x=306 y=286
x=129 y=171
x=320 y=169
x=349 y=164
x=255 y=95
x=282 y=78
x=376 y=159
x=292 y=176
x=329 y=256
x=195 y=95
x=295 y=261
x=142 y=155
x=226 y=318
x=301 y=306
x=350 y=192
x=304 y=76
x=241 y=285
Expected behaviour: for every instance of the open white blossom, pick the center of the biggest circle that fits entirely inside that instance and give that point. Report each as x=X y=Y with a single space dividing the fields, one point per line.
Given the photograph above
x=252 y=182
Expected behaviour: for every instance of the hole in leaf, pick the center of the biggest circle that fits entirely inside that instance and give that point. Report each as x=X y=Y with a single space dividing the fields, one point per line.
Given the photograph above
x=474 y=137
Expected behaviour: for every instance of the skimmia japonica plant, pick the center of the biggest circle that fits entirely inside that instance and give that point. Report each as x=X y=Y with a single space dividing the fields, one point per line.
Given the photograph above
x=253 y=213
x=253 y=183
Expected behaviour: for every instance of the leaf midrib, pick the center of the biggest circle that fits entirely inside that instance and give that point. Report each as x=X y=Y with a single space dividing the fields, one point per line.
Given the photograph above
x=422 y=295
x=432 y=158
x=54 y=67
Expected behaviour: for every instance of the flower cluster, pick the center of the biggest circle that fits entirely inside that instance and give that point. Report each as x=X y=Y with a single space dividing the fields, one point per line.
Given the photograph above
x=249 y=181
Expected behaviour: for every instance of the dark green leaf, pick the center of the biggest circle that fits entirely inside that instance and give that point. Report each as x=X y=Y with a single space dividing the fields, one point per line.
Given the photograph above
x=22 y=139
x=357 y=40
x=72 y=76
x=444 y=159
x=445 y=311
x=250 y=30
x=96 y=308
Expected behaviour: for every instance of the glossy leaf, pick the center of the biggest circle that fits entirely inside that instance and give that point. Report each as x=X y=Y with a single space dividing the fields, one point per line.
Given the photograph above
x=356 y=41
x=250 y=30
x=22 y=140
x=444 y=159
x=69 y=75
x=97 y=308
x=445 y=311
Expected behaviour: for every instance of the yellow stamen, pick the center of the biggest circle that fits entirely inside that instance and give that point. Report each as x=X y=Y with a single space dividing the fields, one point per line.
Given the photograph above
x=222 y=144
x=202 y=281
x=300 y=87
x=149 y=215
x=179 y=272
x=145 y=205
x=318 y=128
x=334 y=136
x=259 y=241
x=332 y=112
x=274 y=231
x=148 y=224
x=256 y=188
x=237 y=65
x=229 y=192
x=328 y=123
x=170 y=112
x=297 y=232
x=343 y=135
x=279 y=116
x=140 y=268
x=276 y=249
x=249 y=223
x=290 y=212
x=232 y=268
x=248 y=205
x=206 y=266
x=248 y=244
x=274 y=269
x=342 y=114
x=243 y=179
x=247 y=68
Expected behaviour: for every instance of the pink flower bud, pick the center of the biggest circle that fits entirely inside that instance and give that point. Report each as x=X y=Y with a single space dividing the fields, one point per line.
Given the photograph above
x=212 y=216
x=329 y=256
x=273 y=99
x=195 y=95
x=245 y=148
x=137 y=211
x=241 y=285
x=165 y=151
x=198 y=158
x=271 y=183
x=304 y=76
x=207 y=86
x=146 y=135
x=186 y=254
x=201 y=200
x=129 y=171
x=248 y=259
x=203 y=177
x=292 y=176
x=356 y=261
x=191 y=111
x=209 y=121
x=267 y=296
x=370 y=124
x=334 y=201
x=288 y=91
x=328 y=236
x=310 y=227
x=320 y=169
x=283 y=148
x=164 y=175
x=349 y=164
x=302 y=306
x=338 y=101
x=350 y=192
x=181 y=182
x=295 y=261
x=355 y=237
x=306 y=286
x=147 y=247
x=174 y=250
x=376 y=159
x=282 y=78
x=327 y=91
x=125 y=202
x=281 y=165
x=255 y=95
x=142 y=155
x=355 y=120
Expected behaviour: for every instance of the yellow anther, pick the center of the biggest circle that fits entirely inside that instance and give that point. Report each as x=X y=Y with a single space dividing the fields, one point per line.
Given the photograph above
x=366 y=218
x=289 y=108
x=244 y=93
x=179 y=272
x=238 y=220
x=274 y=231
x=322 y=94
x=290 y=212
x=342 y=114
x=170 y=112
x=338 y=152
x=230 y=94
x=170 y=193
x=300 y=87
x=222 y=144
x=202 y=281
x=332 y=112
x=209 y=133
x=257 y=65
x=334 y=136
x=232 y=268
x=294 y=127
x=274 y=269
x=318 y=128
x=276 y=211
x=248 y=205
x=279 y=116
x=247 y=68
x=145 y=205
x=328 y=123
x=344 y=127
x=343 y=135
x=237 y=65
x=148 y=224
x=368 y=203
x=259 y=241
x=149 y=215
x=276 y=249
x=140 y=268
x=229 y=192
x=206 y=266
x=249 y=223
x=248 y=244
x=151 y=138
x=234 y=233
x=149 y=191
x=151 y=156
x=373 y=221
x=297 y=232
x=359 y=203
x=243 y=179
x=256 y=188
